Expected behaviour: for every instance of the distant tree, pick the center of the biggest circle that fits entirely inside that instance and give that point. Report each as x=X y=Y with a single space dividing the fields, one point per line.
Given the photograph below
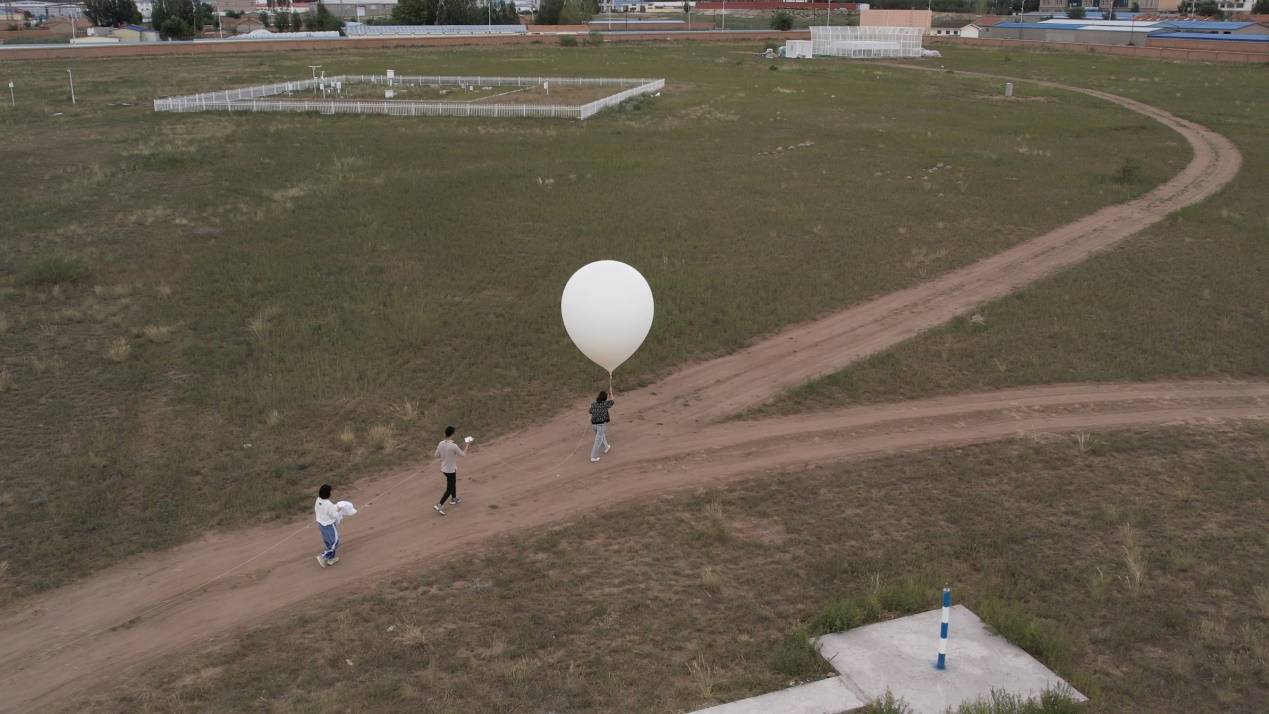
x=175 y=19
x=325 y=20
x=1136 y=6
x=1075 y=12
x=566 y=12
x=112 y=13
x=549 y=12
x=782 y=21
x=410 y=12
x=282 y=21
x=1261 y=7
x=578 y=12
x=1209 y=8
x=454 y=12
x=263 y=17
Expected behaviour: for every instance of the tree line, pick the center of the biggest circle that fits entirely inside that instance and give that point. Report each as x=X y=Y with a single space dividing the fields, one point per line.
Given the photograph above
x=453 y=12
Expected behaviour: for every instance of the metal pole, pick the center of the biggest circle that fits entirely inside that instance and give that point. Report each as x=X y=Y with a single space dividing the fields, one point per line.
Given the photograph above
x=724 y=15
x=947 y=611
x=72 y=85
x=12 y=101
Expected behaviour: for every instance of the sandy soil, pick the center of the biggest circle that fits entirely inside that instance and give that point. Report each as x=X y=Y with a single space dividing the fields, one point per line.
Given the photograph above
x=112 y=626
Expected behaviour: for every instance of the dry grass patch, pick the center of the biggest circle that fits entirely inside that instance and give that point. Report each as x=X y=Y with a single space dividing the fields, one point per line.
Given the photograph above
x=347 y=437
x=6 y=380
x=381 y=437
x=157 y=334
x=118 y=350
x=1133 y=555
x=409 y=635
x=407 y=411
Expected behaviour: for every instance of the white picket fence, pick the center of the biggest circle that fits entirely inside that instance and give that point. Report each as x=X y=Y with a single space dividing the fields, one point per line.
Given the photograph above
x=253 y=99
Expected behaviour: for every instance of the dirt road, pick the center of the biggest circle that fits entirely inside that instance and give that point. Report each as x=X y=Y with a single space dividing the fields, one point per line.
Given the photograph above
x=117 y=623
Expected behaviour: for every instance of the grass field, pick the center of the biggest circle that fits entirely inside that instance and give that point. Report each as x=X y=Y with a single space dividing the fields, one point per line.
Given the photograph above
x=201 y=316
x=1187 y=298
x=1131 y=563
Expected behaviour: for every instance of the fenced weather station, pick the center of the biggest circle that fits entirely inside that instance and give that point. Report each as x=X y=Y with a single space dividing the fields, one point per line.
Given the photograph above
x=866 y=42
x=398 y=95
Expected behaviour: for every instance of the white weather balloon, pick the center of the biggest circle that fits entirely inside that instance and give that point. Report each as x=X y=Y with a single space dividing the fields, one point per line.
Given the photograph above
x=607 y=309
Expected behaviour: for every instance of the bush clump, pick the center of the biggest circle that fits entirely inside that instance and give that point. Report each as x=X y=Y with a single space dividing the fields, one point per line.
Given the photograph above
x=782 y=21
x=568 y=41
x=54 y=269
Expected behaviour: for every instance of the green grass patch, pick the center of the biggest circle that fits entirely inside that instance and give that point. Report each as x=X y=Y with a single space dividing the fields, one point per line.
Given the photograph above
x=1000 y=702
x=1043 y=639
x=54 y=269
x=628 y=610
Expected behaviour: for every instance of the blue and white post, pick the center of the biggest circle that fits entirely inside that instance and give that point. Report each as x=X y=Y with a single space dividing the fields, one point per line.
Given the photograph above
x=947 y=611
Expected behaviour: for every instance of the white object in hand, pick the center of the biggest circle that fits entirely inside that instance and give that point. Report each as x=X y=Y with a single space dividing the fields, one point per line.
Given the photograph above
x=607 y=309
x=468 y=440
x=345 y=509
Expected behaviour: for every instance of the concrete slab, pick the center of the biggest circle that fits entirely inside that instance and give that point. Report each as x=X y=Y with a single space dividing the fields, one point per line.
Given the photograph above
x=899 y=656
x=827 y=696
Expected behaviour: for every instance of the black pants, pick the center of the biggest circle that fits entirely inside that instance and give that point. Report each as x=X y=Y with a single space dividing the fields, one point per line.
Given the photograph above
x=451 y=487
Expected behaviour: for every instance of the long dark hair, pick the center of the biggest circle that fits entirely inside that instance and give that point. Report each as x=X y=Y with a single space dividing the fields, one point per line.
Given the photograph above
x=603 y=397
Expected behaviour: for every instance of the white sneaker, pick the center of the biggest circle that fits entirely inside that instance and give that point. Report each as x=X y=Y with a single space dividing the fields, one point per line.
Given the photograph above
x=455 y=501
x=321 y=561
x=438 y=509
x=332 y=561
x=607 y=448
x=593 y=459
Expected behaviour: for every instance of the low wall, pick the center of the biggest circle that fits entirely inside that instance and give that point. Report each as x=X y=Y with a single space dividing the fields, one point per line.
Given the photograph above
x=1166 y=53
x=19 y=52
x=40 y=34
x=1251 y=48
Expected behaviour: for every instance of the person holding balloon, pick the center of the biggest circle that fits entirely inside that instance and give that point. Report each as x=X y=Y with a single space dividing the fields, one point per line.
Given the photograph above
x=599 y=422
x=607 y=308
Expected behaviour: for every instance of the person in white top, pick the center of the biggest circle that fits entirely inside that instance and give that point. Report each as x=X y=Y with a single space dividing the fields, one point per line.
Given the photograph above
x=328 y=518
x=449 y=452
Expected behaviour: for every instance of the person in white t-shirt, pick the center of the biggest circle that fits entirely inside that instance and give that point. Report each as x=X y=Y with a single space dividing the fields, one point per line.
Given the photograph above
x=449 y=452
x=328 y=518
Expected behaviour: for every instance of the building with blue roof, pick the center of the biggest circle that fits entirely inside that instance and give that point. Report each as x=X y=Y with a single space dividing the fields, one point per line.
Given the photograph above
x=1209 y=36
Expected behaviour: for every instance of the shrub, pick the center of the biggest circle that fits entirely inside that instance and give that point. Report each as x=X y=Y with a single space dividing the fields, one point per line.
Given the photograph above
x=6 y=380
x=1051 y=701
x=53 y=269
x=1129 y=172
x=889 y=704
x=1076 y=12
x=568 y=41
x=594 y=38
x=795 y=656
x=782 y=21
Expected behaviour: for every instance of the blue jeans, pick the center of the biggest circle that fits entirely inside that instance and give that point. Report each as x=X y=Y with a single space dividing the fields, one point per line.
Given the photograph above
x=330 y=538
x=601 y=440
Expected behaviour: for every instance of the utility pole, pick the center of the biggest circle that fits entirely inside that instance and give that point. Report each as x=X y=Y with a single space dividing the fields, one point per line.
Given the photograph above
x=72 y=84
